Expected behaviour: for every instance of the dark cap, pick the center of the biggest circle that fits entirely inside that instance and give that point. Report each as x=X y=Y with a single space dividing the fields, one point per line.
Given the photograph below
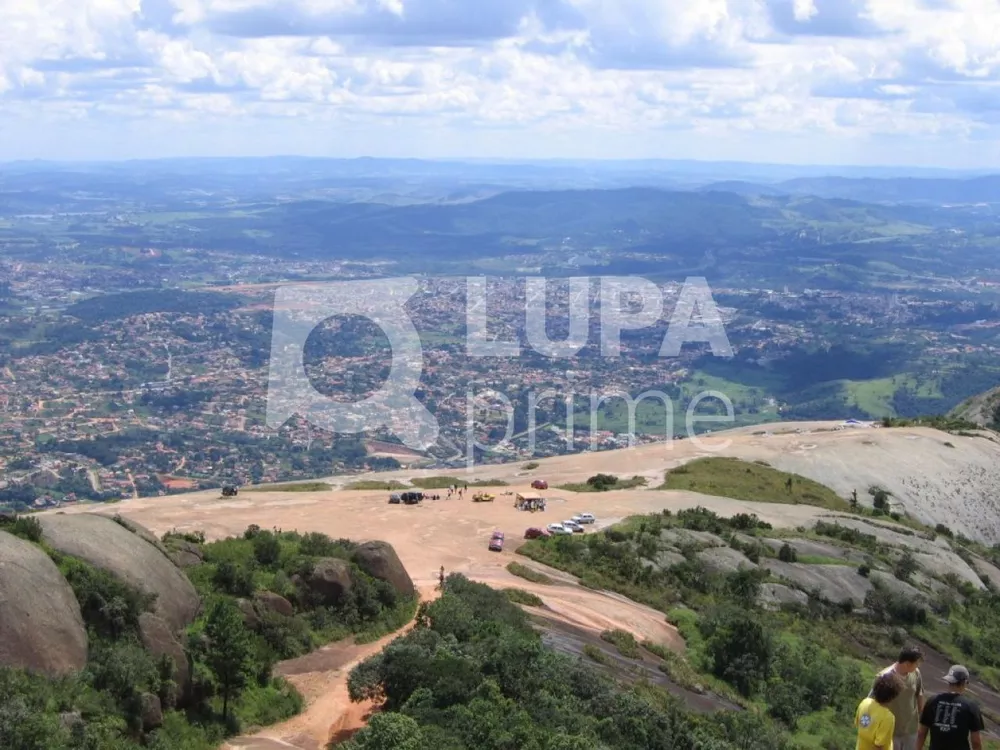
x=957 y=675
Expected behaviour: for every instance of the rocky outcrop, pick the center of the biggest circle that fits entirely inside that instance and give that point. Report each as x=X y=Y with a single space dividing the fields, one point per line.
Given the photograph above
x=268 y=601
x=159 y=641
x=41 y=628
x=330 y=580
x=834 y=583
x=104 y=544
x=151 y=712
x=775 y=596
x=664 y=560
x=686 y=537
x=141 y=531
x=186 y=554
x=724 y=560
x=380 y=561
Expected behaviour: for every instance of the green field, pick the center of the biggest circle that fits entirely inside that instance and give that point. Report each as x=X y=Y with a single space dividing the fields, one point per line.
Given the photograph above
x=741 y=480
x=293 y=487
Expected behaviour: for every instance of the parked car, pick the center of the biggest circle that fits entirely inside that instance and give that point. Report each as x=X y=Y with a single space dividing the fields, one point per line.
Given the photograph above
x=540 y=484
x=584 y=518
x=573 y=526
x=412 y=498
x=537 y=533
x=496 y=541
x=558 y=529
x=395 y=498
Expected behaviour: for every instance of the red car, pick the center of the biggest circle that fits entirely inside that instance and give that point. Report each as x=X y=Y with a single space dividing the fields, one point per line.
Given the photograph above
x=536 y=533
x=496 y=542
x=540 y=484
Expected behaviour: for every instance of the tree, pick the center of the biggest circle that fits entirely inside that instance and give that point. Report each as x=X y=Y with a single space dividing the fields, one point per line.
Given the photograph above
x=266 y=548
x=787 y=553
x=388 y=731
x=230 y=650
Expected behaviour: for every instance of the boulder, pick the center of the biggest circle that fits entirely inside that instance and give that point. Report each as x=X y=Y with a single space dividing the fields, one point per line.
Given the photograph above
x=71 y=721
x=186 y=554
x=250 y=618
x=141 y=531
x=268 y=601
x=41 y=628
x=159 y=641
x=664 y=560
x=724 y=559
x=151 y=712
x=834 y=583
x=104 y=544
x=380 y=561
x=330 y=580
x=775 y=595
x=684 y=537
x=896 y=586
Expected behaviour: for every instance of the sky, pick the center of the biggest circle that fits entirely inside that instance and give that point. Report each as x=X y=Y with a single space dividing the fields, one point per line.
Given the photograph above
x=893 y=82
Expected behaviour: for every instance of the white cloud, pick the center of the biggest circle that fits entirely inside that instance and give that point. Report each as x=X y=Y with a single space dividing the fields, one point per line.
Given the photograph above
x=670 y=73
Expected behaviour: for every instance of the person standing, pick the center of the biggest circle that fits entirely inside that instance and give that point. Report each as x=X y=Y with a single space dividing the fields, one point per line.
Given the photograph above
x=909 y=704
x=874 y=721
x=952 y=720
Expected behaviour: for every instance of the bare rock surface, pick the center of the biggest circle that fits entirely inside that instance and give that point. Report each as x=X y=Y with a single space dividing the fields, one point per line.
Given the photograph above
x=101 y=542
x=835 y=583
x=775 y=595
x=41 y=628
x=380 y=561
x=724 y=559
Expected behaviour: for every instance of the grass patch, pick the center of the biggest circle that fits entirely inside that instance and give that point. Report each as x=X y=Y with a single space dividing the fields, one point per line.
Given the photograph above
x=822 y=560
x=520 y=596
x=443 y=483
x=595 y=654
x=528 y=574
x=293 y=487
x=743 y=480
x=605 y=486
x=624 y=641
x=372 y=484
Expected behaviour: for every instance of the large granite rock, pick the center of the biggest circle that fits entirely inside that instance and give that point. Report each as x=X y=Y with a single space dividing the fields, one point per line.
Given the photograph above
x=268 y=601
x=724 y=559
x=141 y=531
x=685 y=537
x=834 y=583
x=101 y=542
x=330 y=580
x=775 y=596
x=41 y=628
x=664 y=560
x=159 y=641
x=380 y=561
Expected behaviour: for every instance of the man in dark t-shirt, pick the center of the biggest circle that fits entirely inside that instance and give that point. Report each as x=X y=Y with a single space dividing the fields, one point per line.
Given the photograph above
x=952 y=720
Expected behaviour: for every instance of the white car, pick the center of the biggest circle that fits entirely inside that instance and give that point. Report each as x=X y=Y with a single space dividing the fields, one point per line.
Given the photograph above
x=558 y=528
x=584 y=518
x=573 y=526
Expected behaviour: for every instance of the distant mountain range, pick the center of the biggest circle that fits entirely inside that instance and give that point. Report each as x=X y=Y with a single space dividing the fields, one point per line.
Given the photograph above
x=935 y=191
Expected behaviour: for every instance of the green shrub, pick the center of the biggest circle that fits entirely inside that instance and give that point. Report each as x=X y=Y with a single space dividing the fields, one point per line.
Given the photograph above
x=787 y=553
x=520 y=596
x=528 y=574
x=26 y=527
x=624 y=641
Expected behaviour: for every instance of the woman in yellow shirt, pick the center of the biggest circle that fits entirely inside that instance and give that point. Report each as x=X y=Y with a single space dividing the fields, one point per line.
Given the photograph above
x=874 y=721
